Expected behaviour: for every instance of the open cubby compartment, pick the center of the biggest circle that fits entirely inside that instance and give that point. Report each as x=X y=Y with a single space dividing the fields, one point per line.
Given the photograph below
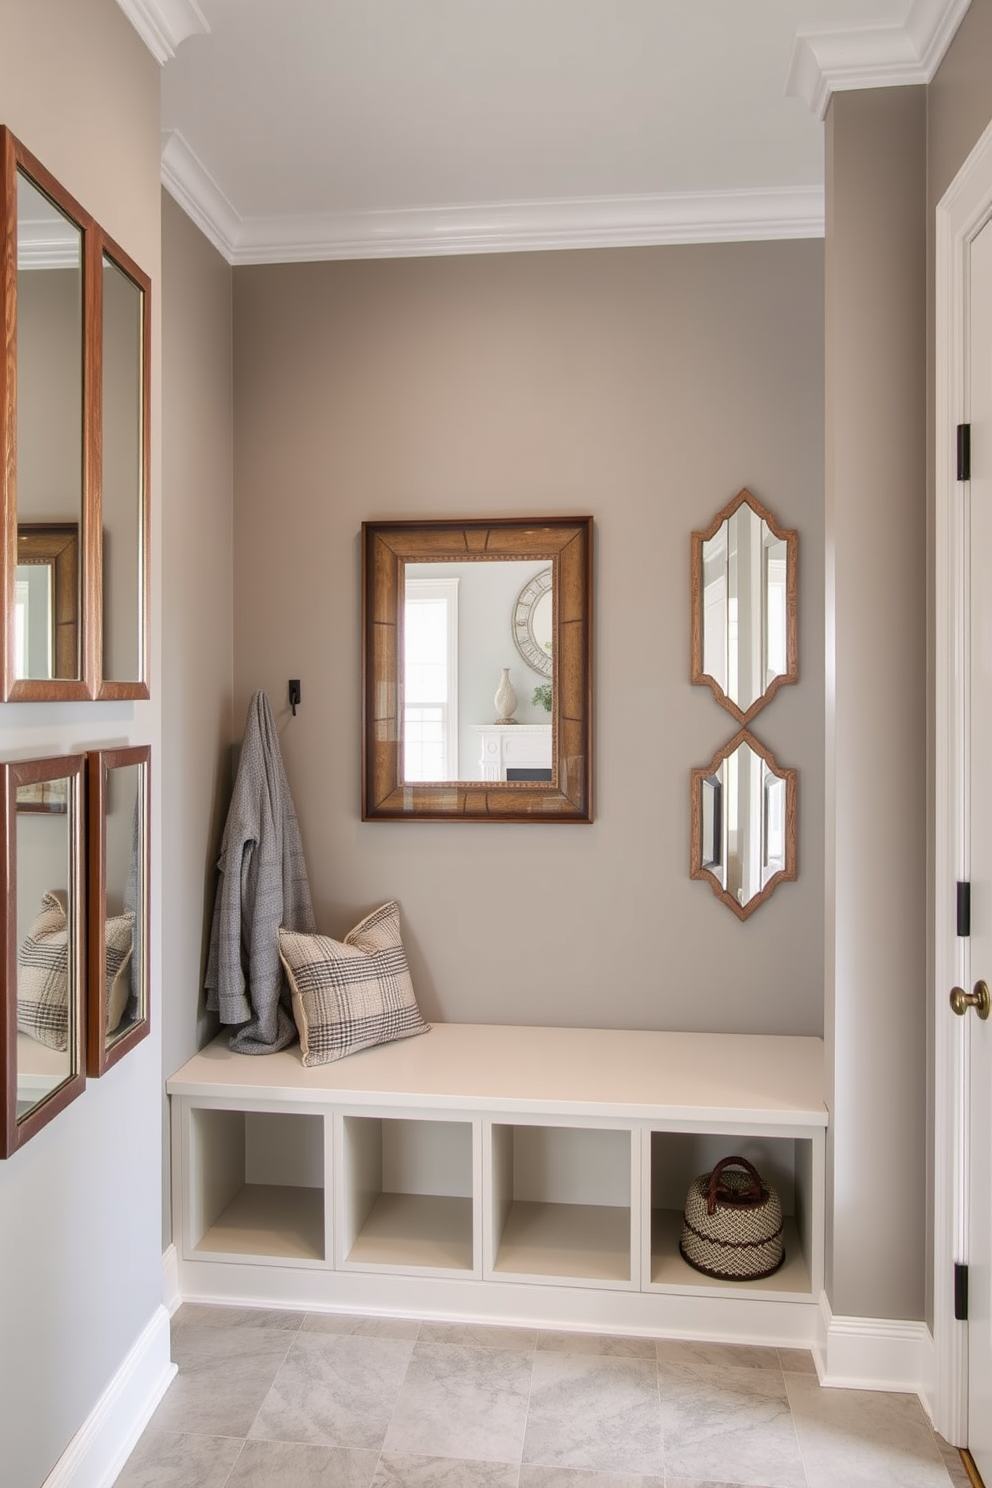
x=257 y=1184
x=792 y=1164
x=564 y=1202
x=406 y=1194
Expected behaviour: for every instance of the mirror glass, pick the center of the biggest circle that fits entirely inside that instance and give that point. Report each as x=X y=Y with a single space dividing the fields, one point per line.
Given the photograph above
x=118 y=938
x=43 y=1012
x=743 y=824
x=49 y=373
x=75 y=444
x=460 y=721
x=458 y=618
x=124 y=476
x=744 y=606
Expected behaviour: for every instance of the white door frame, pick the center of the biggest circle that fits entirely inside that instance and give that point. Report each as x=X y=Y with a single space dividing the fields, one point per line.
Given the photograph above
x=961 y=214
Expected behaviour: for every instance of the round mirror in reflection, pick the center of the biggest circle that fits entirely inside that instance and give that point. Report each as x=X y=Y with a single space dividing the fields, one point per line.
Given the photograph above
x=744 y=606
x=743 y=824
x=533 y=623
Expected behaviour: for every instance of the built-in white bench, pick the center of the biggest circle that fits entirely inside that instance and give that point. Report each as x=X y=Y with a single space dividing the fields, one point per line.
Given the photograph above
x=528 y=1175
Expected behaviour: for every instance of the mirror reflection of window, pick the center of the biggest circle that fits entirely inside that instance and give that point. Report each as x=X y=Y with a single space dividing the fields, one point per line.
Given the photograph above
x=49 y=371
x=776 y=662
x=430 y=679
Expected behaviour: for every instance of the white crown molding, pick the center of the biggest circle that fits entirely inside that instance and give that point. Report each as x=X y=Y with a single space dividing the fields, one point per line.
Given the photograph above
x=501 y=227
x=825 y=62
x=196 y=191
x=163 y=24
x=47 y=245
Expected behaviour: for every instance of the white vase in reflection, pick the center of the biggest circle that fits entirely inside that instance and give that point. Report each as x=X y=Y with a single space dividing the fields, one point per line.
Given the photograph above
x=505 y=699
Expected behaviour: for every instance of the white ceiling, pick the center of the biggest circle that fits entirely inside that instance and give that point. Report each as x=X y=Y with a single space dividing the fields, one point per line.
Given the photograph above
x=301 y=129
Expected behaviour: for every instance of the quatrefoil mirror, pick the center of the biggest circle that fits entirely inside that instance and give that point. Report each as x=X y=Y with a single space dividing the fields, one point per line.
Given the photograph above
x=744 y=606
x=743 y=824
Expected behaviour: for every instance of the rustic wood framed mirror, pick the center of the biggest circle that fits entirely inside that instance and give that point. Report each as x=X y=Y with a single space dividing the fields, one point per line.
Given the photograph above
x=74 y=445
x=41 y=931
x=439 y=605
x=118 y=812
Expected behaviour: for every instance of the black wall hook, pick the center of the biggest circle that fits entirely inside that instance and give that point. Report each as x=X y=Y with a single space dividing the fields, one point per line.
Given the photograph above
x=294 y=693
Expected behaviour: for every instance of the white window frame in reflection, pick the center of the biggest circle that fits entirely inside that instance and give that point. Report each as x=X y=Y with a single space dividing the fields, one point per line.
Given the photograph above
x=430 y=712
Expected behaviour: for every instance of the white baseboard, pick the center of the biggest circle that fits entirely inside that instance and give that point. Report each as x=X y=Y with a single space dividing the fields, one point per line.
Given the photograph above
x=106 y=1438
x=854 y=1353
x=171 y=1295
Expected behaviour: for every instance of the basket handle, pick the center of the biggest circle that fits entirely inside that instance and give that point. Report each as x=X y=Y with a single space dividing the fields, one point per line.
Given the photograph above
x=754 y=1193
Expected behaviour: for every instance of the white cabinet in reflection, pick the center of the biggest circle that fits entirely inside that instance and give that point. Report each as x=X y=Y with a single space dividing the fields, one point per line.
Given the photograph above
x=518 y=751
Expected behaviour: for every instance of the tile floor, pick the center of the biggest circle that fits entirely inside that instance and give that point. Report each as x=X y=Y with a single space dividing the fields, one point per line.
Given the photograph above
x=290 y=1400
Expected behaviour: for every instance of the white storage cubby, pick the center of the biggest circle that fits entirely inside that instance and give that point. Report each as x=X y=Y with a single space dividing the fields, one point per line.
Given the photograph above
x=561 y=1203
x=517 y=1174
x=256 y=1183
x=405 y=1198
x=789 y=1164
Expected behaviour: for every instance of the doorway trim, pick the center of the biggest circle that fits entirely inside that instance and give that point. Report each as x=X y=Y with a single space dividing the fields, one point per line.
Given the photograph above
x=961 y=214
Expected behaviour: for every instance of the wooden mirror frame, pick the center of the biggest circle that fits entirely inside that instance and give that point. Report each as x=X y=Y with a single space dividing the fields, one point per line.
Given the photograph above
x=791 y=539
x=111 y=687
x=89 y=682
x=697 y=868
x=14 y=1133
x=102 y=1054
x=565 y=543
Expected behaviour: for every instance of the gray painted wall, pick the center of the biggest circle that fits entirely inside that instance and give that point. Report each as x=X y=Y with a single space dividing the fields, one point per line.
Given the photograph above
x=198 y=725
x=645 y=386
x=80 y=1254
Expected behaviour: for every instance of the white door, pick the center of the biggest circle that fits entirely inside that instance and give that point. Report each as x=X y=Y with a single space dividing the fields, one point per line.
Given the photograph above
x=978 y=774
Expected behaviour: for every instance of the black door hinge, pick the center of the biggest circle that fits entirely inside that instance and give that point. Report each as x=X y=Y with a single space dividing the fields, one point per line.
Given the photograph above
x=960 y=1292
x=964 y=452
x=964 y=908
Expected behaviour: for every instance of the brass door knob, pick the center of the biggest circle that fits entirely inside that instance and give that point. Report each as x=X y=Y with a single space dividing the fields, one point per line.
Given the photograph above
x=979 y=999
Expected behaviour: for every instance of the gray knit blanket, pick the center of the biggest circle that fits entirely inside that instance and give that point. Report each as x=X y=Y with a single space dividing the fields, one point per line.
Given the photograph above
x=263 y=884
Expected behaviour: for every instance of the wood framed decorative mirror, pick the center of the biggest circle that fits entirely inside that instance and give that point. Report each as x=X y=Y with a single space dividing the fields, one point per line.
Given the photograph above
x=74 y=445
x=441 y=606
x=744 y=605
x=42 y=887
x=118 y=810
x=743 y=811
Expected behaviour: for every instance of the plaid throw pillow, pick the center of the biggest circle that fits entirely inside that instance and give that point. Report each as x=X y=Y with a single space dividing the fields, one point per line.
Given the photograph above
x=118 y=948
x=351 y=994
x=43 y=976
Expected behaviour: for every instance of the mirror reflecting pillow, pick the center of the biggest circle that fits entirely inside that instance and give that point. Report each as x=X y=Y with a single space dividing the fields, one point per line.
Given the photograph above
x=43 y=976
x=351 y=994
x=119 y=947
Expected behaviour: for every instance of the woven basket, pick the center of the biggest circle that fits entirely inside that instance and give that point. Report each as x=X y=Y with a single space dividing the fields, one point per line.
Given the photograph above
x=732 y=1227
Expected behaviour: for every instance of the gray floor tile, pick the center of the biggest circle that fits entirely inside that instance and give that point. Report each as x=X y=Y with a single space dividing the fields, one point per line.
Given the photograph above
x=796 y=1361
x=460 y=1400
x=614 y=1345
x=951 y=1458
x=730 y=1425
x=862 y=1438
x=397 y=1470
x=709 y=1483
x=483 y=1335
x=570 y=1477
x=588 y=1411
x=173 y=1459
x=204 y=1315
x=737 y=1355
x=267 y=1464
x=362 y=1327
x=335 y=1390
x=224 y=1375
x=276 y=1399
